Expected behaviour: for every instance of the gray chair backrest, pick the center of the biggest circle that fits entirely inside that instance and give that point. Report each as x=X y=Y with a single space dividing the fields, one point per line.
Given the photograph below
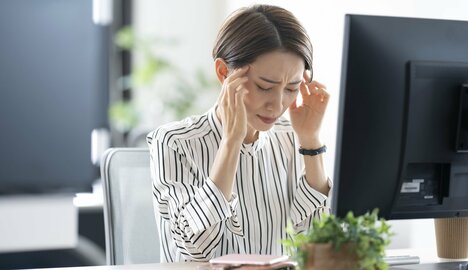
x=130 y=226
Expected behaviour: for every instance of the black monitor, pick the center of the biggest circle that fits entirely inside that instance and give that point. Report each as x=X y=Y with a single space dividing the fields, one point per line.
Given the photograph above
x=402 y=138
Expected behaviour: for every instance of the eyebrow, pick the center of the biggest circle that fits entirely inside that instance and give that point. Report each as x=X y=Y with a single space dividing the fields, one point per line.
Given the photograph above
x=277 y=82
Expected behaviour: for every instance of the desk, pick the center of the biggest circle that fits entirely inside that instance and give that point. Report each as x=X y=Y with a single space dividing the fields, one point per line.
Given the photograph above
x=426 y=255
x=37 y=222
x=192 y=266
x=43 y=221
x=51 y=230
x=152 y=266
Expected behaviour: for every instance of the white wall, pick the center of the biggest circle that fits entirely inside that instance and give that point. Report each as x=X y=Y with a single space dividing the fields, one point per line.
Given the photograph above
x=413 y=233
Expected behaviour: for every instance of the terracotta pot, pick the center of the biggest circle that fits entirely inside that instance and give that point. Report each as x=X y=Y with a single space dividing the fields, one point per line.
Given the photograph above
x=325 y=257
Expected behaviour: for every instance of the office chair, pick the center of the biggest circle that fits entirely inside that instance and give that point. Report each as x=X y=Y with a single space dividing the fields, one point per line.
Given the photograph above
x=130 y=227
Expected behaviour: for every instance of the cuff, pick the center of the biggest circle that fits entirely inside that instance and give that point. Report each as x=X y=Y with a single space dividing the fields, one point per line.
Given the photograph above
x=311 y=195
x=233 y=224
x=209 y=207
x=308 y=202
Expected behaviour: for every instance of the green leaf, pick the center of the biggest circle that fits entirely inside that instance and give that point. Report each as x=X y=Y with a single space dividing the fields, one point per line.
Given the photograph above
x=123 y=115
x=368 y=234
x=125 y=38
x=144 y=74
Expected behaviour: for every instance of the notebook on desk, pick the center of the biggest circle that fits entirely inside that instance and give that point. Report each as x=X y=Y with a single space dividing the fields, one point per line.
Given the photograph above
x=253 y=259
x=249 y=261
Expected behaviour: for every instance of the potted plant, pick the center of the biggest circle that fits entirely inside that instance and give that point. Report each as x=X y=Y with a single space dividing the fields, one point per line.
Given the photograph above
x=352 y=242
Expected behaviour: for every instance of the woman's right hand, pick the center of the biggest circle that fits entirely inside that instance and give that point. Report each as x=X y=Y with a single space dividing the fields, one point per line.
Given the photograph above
x=232 y=108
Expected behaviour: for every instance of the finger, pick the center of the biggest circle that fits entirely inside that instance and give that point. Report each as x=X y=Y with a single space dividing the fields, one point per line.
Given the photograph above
x=239 y=72
x=235 y=87
x=222 y=102
x=223 y=98
x=304 y=89
x=221 y=95
x=240 y=105
x=230 y=86
x=324 y=99
x=324 y=95
x=318 y=84
x=232 y=80
x=307 y=76
x=314 y=88
x=293 y=105
x=239 y=96
x=324 y=92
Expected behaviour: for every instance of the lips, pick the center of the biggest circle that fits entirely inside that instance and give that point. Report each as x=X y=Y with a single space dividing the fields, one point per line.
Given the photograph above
x=267 y=120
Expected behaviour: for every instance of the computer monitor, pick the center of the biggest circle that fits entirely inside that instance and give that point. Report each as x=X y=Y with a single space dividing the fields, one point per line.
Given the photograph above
x=402 y=137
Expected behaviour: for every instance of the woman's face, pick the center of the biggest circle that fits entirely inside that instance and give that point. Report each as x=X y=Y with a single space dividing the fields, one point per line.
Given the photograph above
x=273 y=84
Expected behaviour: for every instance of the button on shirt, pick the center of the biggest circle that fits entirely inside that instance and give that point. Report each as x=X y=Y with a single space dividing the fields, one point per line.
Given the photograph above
x=195 y=220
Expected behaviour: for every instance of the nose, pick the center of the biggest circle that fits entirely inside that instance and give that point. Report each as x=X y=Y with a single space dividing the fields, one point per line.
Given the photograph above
x=275 y=102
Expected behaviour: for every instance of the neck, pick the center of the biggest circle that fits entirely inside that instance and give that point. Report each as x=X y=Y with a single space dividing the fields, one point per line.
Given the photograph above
x=252 y=135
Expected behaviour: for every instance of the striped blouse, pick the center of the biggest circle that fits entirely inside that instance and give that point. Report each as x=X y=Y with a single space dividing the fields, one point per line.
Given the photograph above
x=195 y=220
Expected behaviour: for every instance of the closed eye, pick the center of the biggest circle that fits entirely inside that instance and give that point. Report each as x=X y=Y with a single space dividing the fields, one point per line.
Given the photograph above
x=264 y=89
x=293 y=90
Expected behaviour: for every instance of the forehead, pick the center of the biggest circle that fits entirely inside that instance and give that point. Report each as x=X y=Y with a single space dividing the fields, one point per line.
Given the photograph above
x=278 y=65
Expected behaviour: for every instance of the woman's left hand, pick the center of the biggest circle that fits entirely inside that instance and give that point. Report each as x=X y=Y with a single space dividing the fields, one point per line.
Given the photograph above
x=306 y=118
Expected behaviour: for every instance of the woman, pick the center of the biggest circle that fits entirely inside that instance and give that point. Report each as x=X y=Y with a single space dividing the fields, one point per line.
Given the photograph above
x=229 y=180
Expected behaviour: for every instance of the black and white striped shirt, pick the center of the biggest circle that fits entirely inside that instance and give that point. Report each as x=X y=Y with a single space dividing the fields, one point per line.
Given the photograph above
x=195 y=220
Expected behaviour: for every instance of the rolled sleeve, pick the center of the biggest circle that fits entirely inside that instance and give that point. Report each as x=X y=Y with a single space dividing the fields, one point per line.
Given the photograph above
x=308 y=204
x=210 y=201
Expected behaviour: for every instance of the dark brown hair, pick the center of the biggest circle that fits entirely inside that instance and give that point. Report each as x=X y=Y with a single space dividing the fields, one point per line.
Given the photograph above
x=252 y=31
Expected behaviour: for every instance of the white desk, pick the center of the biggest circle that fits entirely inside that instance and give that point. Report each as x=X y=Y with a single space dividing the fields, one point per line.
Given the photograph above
x=153 y=266
x=426 y=255
x=37 y=222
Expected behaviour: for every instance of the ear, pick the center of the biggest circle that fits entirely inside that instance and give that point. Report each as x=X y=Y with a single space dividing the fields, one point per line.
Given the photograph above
x=221 y=69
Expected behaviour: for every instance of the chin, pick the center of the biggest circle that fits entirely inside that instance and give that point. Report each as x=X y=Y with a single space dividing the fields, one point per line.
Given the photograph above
x=262 y=126
x=257 y=124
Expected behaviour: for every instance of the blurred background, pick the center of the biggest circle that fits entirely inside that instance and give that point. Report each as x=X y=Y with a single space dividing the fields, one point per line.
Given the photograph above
x=80 y=76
